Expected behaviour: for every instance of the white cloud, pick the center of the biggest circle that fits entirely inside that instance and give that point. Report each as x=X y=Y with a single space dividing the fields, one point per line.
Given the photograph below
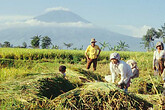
x=57 y=8
x=135 y=31
x=12 y=21
x=13 y=18
x=34 y=22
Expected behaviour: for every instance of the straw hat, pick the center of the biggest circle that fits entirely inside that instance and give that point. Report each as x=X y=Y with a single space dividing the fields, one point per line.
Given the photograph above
x=93 y=40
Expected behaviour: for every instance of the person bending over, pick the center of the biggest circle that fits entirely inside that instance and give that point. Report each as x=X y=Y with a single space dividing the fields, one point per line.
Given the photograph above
x=117 y=67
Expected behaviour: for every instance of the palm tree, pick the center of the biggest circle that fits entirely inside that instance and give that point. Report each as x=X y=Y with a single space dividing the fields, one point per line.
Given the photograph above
x=116 y=48
x=68 y=45
x=55 y=47
x=24 y=45
x=6 y=44
x=35 y=42
x=122 y=46
x=46 y=42
x=104 y=45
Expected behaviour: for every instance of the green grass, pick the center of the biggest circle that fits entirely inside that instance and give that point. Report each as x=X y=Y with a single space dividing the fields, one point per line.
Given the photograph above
x=29 y=78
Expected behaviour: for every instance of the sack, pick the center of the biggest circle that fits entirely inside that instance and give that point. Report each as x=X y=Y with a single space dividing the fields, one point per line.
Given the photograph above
x=108 y=78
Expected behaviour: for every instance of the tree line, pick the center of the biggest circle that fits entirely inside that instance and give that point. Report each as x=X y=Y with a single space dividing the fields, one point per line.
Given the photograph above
x=122 y=46
x=46 y=43
x=37 y=42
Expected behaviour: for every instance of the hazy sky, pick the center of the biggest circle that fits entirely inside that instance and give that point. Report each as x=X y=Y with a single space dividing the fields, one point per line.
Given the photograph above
x=129 y=17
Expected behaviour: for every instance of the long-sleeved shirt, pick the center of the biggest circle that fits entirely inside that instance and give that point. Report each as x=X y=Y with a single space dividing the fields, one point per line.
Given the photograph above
x=123 y=69
x=158 y=55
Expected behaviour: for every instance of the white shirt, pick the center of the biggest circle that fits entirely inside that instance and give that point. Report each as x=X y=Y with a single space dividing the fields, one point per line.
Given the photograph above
x=158 y=55
x=123 y=69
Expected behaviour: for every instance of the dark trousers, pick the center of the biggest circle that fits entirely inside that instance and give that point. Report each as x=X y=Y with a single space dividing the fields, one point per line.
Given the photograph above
x=90 y=61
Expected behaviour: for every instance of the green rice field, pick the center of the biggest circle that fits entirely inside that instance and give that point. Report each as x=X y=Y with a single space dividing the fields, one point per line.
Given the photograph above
x=29 y=79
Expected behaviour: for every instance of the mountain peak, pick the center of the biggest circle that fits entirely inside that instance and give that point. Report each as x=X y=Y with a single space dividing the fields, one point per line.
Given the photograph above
x=60 y=16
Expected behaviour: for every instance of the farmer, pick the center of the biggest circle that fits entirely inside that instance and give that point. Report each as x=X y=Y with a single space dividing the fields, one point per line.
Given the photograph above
x=158 y=58
x=118 y=66
x=62 y=69
x=135 y=70
x=93 y=54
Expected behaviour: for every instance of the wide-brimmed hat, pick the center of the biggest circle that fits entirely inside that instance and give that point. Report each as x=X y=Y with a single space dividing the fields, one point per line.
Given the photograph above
x=93 y=40
x=114 y=56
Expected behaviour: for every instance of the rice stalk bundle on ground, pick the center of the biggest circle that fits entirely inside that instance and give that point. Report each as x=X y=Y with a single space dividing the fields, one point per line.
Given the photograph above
x=99 y=96
x=144 y=85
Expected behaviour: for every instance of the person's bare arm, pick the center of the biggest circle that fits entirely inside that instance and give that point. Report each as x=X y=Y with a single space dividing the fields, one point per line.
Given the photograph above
x=99 y=53
x=86 y=56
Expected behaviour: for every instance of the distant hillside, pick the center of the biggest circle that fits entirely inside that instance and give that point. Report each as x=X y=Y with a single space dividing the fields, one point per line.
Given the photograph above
x=77 y=31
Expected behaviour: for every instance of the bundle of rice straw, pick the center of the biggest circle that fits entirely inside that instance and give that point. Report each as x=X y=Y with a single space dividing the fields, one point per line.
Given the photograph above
x=100 y=96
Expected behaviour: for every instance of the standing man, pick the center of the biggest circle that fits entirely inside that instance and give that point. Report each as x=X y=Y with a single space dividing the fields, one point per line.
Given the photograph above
x=93 y=55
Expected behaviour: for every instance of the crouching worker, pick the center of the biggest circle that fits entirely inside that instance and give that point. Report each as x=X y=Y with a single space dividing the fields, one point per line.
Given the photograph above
x=118 y=66
x=135 y=70
x=62 y=69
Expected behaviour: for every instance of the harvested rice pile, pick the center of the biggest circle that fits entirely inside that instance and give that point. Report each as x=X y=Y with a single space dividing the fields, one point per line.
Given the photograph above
x=146 y=84
x=99 y=96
